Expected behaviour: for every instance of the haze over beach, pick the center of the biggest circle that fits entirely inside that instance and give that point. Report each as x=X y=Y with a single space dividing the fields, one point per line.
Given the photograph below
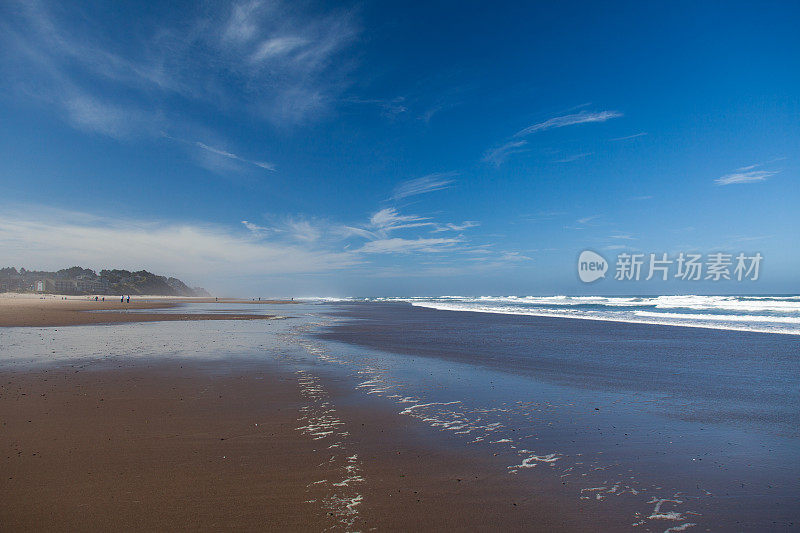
x=316 y=266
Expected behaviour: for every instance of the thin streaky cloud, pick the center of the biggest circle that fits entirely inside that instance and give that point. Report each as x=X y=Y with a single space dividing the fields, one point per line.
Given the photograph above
x=397 y=245
x=388 y=218
x=425 y=184
x=459 y=227
x=628 y=137
x=572 y=158
x=263 y=164
x=584 y=117
x=497 y=156
x=255 y=229
x=749 y=176
x=351 y=231
x=276 y=47
x=587 y=219
x=292 y=63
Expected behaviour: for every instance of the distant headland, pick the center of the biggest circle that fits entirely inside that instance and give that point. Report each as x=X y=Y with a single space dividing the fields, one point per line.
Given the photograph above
x=79 y=280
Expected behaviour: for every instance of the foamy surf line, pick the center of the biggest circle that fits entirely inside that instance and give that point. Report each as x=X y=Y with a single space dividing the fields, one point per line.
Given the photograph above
x=652 y=318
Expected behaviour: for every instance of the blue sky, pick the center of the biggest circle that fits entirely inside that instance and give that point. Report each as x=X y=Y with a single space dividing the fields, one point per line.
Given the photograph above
x=413 y=149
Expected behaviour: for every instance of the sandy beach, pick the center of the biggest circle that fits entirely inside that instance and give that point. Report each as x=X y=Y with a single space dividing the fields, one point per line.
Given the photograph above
x=31 y=310
x=166 y=444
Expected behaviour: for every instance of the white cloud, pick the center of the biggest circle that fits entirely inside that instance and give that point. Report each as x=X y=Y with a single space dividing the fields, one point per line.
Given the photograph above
x=218 y=256
x=397 y=245
x=290 y=62
x=497 y=156
x=285 y=62
x=583 y=117
x=87 y=113
x=744 y=175
x=276 y=47
x=351 y=231
x=242 y=26
x=255 y=229
x=303 y=230
x=514 y=256
x=263 y=164
x=425 y=184
x=571 y=158
x=388 y=219
x=586 y=220
x=44 y=238
x=458 y=227
x=629 y=137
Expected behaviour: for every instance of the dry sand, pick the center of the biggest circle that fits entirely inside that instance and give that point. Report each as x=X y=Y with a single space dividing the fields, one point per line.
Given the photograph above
x=53 y=311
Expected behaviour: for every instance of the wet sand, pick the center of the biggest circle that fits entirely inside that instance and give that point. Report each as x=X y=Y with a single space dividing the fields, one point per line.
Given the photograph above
x=146 y=445
x=49 y=311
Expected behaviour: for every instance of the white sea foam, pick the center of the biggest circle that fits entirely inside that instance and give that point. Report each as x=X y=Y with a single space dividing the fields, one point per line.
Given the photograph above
x=756 y=314
x=533 y=460
x=766 y=314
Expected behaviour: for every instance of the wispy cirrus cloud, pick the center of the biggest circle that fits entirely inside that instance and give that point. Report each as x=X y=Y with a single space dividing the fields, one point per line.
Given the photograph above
x=218 y=159
x=292 y=61
x=388 y=219
x=629 y=137
x=498 y=156
x=748 y=174
x=571 y=158
x=275 y=60
x=398 y=245
x=586 y=220
x=385 y=231
x=583 y=117
x=256 y=230
x=87 y=113
x=262 y=164
x=516 y=144
x=583 y=223
x=467 y=224
x=425 y=184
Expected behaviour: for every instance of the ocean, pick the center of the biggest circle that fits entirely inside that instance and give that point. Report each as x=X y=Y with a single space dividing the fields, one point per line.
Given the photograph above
x=665 y=427
x=768 y=314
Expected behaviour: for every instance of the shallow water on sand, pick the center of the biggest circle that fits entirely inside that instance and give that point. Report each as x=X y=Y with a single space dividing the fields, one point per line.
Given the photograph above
x=677 y=428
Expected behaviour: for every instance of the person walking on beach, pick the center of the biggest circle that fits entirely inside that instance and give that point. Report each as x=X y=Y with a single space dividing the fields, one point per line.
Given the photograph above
x=122 y=299
x=129 y=299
